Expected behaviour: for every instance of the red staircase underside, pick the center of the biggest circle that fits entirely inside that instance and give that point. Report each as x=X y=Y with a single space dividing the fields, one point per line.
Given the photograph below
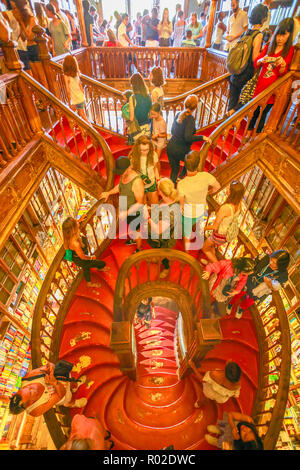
x=157 y=410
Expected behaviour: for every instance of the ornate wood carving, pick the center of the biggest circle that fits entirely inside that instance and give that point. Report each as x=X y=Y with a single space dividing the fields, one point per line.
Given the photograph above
x=18 y=187
x=283 y=170
x=75 y=170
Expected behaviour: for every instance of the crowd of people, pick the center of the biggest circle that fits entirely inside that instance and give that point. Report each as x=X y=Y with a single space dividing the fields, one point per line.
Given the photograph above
x=162 y=210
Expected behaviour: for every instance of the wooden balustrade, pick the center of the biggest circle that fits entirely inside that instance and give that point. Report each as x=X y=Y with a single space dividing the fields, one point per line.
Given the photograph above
x=231 y=136
x=288 y=129
x=274 y=368
x=15 y=127
x=214 y=65
x=58 y=288
x=136 y=273
x=62 y=123
x=121 y=62
x=104 y=103
x=184 y=285
x=213 y=101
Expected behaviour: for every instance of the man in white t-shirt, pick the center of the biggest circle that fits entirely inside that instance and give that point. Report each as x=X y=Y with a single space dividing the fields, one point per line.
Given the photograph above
x=193 y=190
x=237 y=25
x=122 y=35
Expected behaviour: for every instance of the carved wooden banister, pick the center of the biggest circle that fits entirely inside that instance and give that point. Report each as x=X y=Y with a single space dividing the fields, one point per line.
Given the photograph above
x=273 y=383
x=117 y=62
x=62 y=126
x=104 y=103
x=51 y=309
x=231 y=136
x=139 y=278
x=154 y=257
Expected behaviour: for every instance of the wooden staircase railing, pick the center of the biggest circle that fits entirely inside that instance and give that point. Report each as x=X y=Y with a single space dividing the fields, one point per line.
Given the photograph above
x=117 y=62
x=58 y=288
x=133 y=284
x=104 y=103
x=274 y=368
x=230 y=137
x=31 y=110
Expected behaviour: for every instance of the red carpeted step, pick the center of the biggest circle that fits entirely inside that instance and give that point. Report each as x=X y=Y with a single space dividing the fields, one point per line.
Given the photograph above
x=87 y=309
x=84 y=335
x=239 y=331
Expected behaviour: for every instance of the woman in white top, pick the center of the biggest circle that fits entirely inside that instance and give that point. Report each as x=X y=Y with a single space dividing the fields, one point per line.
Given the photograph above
x=144 y=160
x=74 y=86
x=179 y=30
x=220 y=384
x=165 y=29
x=224 y=217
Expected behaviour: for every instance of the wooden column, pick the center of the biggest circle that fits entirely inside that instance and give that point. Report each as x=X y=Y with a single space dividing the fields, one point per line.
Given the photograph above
x=186 y=8
x=128 y=9
x=11 y=56
x=45 y=58
x=79 y=9
x=212 y=13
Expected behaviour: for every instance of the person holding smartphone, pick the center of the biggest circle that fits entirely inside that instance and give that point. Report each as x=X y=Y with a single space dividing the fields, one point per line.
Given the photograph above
x=274 y=61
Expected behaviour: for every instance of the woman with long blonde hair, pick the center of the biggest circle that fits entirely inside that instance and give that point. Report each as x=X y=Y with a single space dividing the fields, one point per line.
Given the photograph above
x=164 y=225
x=183 y=136
x=76 y=247
x=144 y=160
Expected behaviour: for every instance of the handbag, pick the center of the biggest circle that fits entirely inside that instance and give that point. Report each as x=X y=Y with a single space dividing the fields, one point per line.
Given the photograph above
x=249 y=89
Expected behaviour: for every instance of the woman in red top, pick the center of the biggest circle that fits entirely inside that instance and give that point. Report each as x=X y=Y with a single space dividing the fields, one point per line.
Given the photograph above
x=227 y=277
x=275 y=59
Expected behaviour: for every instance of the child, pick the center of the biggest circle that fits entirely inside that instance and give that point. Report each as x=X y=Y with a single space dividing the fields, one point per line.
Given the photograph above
x=188 y=42
x=74 y=86
x=156 y=78
x=227 y=278
x=125 y=115
x=77 y=244
x=159 y=129
x=144 y=312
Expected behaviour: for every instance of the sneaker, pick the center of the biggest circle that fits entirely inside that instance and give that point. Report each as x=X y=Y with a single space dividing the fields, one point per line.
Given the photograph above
x=228 y=309
x=80 y=403
x=213 y=441
x=203 y=261
x=130 y=242
x=213 y=429
x=239 y=313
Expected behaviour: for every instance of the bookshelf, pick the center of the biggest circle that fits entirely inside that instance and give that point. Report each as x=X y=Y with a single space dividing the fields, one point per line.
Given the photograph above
x=24 y=260
x=271 y=224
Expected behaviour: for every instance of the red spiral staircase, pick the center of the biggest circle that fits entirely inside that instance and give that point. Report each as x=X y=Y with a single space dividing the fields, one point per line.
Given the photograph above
x=156 y=410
